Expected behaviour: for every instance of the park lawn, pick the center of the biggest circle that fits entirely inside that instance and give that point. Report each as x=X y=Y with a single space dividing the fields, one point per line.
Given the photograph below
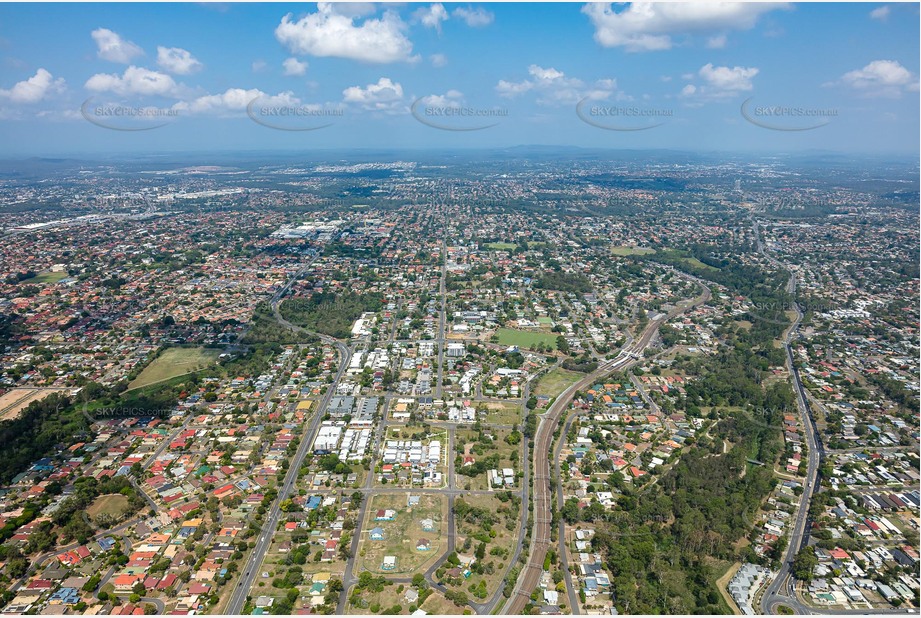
x=624 y=251
x=693 y=261
x=503 y=413
x=109 y=504
x=524 y=338
x=556 y=381
x=502 y=246
x=46 y=277
x=402 y=534
x=504 y=541
x=174 y=362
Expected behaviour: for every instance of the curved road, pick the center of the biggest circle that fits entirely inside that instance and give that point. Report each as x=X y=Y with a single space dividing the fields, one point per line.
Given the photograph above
x=540 y=537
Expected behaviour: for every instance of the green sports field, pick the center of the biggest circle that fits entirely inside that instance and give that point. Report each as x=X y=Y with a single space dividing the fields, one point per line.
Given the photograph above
x=175 y=362
x=525 y=339
x=46 y=277
x=623 y=251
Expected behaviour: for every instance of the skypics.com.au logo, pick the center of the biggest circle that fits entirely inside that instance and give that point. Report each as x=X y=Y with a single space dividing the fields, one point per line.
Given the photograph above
x=295 y=118
x=455 y=116
x=622 y=117
x=786 y=118
x=777 y=312
x=116 y=412
x=117 y=117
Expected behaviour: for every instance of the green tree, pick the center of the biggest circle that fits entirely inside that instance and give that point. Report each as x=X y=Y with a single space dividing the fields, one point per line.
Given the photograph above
x=562 y=345
x=804 y=563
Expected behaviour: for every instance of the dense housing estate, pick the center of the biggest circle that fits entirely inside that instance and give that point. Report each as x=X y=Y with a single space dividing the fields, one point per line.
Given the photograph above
x=248 y=401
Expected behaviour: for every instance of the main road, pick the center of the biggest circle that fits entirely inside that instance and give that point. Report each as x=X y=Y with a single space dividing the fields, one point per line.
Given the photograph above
x=243 y=586
x=542 y=512
x=780 y=590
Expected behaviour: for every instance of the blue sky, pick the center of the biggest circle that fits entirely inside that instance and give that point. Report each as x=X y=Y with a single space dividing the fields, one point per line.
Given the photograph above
x=217 y=77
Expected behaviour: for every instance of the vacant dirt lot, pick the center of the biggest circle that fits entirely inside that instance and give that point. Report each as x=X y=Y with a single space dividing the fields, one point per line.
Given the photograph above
x=14 y=402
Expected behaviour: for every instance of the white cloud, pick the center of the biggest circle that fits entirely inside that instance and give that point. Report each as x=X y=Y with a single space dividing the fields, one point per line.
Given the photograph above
x=649 y=26
x=716 y=42
x=135 y=80
x=881 y=13
x=602 y=89
x=34 y=89
x=177 y=60
x=234 y=100
x=60 y=115
x=554 y=88
x=294 y=67
x=513 y=89
x=719 y=82
x=607 y=84
x=431 y=16
x=384 y=95
x=730 y=79
x=259 y=66
x=438 y=60
x=545 y=74
x=328 y=33
x=881 y=78
x=474 y=17
x=113 y=48
x=448 y=99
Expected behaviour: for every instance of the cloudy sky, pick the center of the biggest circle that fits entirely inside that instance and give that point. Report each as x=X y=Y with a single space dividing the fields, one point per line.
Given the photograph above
x=714 y=76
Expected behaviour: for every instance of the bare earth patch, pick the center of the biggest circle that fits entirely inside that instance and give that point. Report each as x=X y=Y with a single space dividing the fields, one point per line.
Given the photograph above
x=14 y=402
